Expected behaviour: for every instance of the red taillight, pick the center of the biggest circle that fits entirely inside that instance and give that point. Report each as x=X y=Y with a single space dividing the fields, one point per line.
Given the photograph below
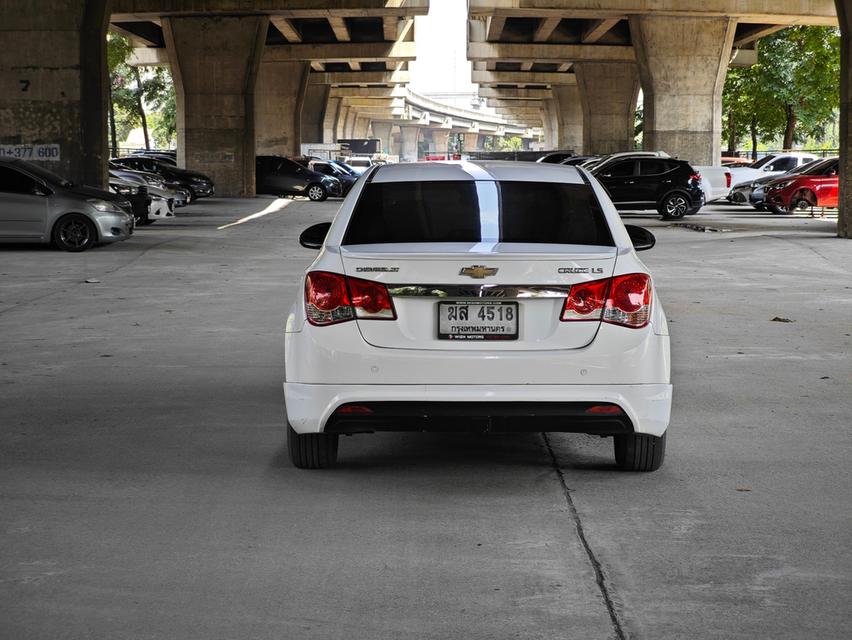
x=327 y=299
x=696 y=176
x=371 y=300
x=331 y=298
x=586 y=301
x=728 y=179
x=623 y=300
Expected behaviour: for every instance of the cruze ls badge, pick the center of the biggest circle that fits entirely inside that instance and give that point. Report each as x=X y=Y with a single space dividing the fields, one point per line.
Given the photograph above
x=478 y=271
x=377 y=269
x=580 y=270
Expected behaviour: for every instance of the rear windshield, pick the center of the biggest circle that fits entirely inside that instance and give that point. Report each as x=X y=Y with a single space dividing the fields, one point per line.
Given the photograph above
x=467 y=211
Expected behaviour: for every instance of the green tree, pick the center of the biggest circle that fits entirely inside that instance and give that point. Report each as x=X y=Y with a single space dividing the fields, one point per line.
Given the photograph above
x=800 y=66
x=135 y=90
x=510 y=144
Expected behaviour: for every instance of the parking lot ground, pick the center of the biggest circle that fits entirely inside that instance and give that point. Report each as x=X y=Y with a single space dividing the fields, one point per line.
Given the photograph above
x=145 y=489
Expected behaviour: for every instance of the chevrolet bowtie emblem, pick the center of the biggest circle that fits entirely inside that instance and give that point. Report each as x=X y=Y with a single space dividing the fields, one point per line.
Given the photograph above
x=478 y=271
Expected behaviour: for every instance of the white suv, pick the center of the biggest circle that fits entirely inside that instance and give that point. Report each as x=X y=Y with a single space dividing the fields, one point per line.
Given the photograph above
x=488 y=296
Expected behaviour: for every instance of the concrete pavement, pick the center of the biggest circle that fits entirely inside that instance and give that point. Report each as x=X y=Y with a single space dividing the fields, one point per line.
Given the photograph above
x=145 y=489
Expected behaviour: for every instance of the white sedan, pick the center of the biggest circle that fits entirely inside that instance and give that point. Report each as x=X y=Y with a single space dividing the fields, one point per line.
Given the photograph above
x=489 y=297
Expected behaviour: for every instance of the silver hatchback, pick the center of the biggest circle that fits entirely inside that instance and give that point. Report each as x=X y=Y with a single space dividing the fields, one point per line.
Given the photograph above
x=37 y=205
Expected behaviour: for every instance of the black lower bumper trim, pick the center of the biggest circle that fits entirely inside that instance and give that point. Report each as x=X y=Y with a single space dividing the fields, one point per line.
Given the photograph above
x=478 y=417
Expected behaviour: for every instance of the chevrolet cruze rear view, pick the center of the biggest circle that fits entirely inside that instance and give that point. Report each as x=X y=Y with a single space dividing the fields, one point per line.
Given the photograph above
x=492 y=297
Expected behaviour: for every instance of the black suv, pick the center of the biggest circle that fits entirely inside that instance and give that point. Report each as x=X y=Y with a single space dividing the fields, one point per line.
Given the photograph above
x=280 y=176
x=198 y=184
x=670 y=186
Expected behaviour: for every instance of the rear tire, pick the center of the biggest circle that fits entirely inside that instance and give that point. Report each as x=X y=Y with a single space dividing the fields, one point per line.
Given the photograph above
x=312 y=450
x=317 y=193
x=674 y=206
x=639 y=451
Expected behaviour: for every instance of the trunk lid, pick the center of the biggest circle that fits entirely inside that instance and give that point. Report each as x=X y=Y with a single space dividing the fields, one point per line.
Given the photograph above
x=535 y=277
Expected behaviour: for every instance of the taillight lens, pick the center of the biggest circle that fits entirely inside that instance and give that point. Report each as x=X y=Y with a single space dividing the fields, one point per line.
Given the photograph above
x=371 y=300
x=586 y=301
x=696 y=176
x=327 y=299
x=623 y=300
x=728 y=179
x=331 y=298
x=629 y=302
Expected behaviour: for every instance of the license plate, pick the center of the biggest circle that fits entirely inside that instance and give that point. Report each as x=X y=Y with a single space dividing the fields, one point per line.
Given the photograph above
x=486 y=320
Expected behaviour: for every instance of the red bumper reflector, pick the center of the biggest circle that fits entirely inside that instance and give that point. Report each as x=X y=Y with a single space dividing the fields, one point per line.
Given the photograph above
x=604 y=409
x=354 y=409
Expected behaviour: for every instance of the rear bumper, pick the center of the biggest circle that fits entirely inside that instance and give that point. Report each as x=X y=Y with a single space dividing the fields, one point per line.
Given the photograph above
x=645 y=408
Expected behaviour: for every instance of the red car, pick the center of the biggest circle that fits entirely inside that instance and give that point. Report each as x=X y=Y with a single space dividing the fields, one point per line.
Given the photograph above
x=816 y=187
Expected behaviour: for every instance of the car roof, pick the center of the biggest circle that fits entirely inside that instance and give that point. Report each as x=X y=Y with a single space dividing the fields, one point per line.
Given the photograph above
x=477 y=170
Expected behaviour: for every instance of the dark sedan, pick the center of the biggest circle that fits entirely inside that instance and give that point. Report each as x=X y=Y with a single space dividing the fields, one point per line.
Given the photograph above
x=198 y=184
x=280 y=176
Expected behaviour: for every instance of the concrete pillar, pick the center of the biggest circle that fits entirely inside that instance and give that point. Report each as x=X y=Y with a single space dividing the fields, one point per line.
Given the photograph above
x=608 y=93
x=550 y=124
x=471 y=142
x=54 y=85
x=349 y=123
x=280 y=95
x=409 y=135
x=215 y=63
x=313 y=112
x=682 y=64
x=569 y=112
x=844 y=219
x=329 y=121
x=361 y=127
x=382 y=131
x=342 y=116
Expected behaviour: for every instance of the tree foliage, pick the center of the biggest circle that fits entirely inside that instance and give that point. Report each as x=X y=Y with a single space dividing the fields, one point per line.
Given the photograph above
x=792 y=93
x=134 y=91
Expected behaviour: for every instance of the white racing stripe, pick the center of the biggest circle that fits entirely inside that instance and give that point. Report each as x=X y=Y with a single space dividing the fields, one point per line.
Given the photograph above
x=277 y=205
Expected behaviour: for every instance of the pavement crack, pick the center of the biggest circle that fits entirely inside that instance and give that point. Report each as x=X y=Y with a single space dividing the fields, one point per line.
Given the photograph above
x=600 y=578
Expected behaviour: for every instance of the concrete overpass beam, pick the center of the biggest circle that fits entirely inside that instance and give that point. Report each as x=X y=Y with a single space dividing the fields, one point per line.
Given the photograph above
x=608 y=93
x=569 y=113
x=682 y=64
x=215 y=63
x=280 y=97
x=844 y=219
x=409 y=136
x=54 y=84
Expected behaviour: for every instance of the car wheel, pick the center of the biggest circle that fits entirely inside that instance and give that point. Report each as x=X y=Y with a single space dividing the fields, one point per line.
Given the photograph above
x=74 y=232
x=312 y=450
x=674 y=206
x=639 y=451
x=778 y=211
x=802 y=201
x=317 y=192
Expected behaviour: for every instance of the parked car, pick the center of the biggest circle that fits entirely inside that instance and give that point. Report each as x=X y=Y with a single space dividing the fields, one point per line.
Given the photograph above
x=715 y=181
x=406 y=323
x=773 y=164
x=280 y=176
x=199 y=185
x=575 y=161
x=347 y=180
x=135 y=194
x=815 y=187
x=155 y=184
x=754 y=191
x=638 y=182
x=556 y=157
x=36 y=205
x=359 y=164
x=169 y=157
